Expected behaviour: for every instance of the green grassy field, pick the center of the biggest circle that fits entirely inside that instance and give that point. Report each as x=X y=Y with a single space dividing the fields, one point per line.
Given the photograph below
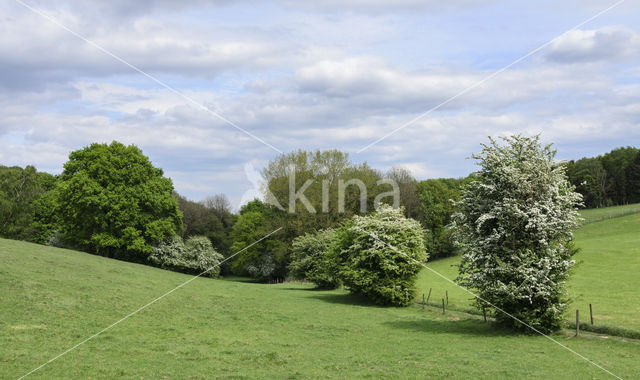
x=54 y=298
x=607 y=273
x=599 y=214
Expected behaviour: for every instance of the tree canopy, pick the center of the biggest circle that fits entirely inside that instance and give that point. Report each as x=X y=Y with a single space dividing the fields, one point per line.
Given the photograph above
x=114 y=202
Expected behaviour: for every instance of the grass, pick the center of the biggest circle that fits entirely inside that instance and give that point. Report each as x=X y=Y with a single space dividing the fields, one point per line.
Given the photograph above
x=54 y=298
x=607 y=273
x=599 y=214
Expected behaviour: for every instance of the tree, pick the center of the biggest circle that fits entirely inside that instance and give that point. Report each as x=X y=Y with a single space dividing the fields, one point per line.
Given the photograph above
x=311 y=259
x=514 y=226
x=590 y=179
x=615 y=163
x=112 y=201
x=266 y=260
x=380 y=256
x=219 y=203
x=436 y=202
x=20 y=190
x=633 y=179
x=200 y=220
x=408 y=187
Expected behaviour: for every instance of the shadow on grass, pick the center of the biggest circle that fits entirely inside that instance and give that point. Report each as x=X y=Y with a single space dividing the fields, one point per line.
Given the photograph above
x=309 y=289
x=345 y=299
x=451 y=325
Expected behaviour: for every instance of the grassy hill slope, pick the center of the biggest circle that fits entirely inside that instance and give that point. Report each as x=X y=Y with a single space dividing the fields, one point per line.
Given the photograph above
x=54 y=298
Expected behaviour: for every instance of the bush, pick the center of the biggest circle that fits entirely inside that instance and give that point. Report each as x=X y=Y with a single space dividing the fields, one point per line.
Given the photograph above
x=368 y=264
x=310 y=259
x=194 y=257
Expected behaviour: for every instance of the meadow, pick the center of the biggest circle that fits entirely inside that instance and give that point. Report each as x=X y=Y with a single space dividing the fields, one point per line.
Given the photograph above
x=232 y=328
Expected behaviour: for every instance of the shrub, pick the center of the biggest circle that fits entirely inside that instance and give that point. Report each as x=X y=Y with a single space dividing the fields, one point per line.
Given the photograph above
x=514 y=228
x=195 y=257
x=368 y=264
x=310 y=259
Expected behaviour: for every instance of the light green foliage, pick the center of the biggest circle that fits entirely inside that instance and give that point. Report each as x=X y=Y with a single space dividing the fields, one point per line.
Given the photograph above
x=514 y=228
x=265 y=260
x=311 y=259
x=368 y=263
x=113 y=202
x=195 y=256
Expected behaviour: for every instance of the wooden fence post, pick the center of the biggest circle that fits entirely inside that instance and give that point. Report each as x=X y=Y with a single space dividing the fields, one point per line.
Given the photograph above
x=591 y=313
x=422 y=301
x=577 y=322
x=484 y=314
x=429 y=295
x=443 y=306
x=447 y=294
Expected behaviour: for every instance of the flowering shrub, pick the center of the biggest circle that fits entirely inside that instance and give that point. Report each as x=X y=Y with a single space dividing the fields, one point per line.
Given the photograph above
x=368 y=263
x=514 y=227
x=311 y=260
x=195 y=256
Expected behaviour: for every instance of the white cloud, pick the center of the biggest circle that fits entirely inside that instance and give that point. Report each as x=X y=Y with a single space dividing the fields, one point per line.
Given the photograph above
x=607 y=43
x=300 y=79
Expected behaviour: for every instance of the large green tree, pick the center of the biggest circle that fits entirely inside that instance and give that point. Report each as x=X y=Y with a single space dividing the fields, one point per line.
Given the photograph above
x=112 y=201
x=514 y=226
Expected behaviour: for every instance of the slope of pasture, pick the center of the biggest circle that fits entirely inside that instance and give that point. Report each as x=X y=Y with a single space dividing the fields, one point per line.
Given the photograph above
x=598 y=214
x=608 y=271
x=53 y=298
x=607 y=274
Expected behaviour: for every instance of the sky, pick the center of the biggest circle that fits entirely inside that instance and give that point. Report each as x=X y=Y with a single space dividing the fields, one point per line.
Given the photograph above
x=210 y=89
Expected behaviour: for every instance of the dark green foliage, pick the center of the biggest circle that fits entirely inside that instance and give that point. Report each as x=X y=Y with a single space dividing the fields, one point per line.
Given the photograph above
x=199 y=218
x=369 y=264
x=436 y=201
x=607 y=180
x=633 y=179
x=22 y=211
x=195 y=256
x=311 y=259
x=112 y=201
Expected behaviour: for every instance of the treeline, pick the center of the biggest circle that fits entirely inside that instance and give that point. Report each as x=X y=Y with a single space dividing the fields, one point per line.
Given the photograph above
x=322 y=174
x=111 y=201
x=607 y=180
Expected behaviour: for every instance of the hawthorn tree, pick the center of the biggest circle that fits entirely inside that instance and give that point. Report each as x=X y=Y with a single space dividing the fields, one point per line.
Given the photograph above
x=368 y=263
x=515 y=226
x=112 y=201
